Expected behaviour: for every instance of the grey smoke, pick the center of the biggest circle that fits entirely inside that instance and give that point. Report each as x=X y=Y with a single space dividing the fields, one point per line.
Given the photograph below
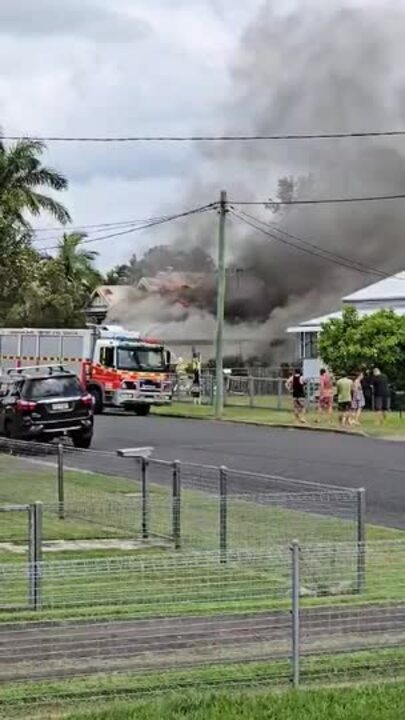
x=320 y=67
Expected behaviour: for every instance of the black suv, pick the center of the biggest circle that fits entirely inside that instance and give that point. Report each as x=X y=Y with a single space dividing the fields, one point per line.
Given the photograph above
x=43 y=403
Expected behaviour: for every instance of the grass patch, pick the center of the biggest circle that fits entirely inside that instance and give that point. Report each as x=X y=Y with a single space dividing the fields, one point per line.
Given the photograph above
x=177 y=582
x=101 y=506
x=204 y=693
x=241 y=412
x=382 y=703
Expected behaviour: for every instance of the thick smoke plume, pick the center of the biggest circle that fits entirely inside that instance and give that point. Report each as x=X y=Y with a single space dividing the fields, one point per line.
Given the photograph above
x=321 y=67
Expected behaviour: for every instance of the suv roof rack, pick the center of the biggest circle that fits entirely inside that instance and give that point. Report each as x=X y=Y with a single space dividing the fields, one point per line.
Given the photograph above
x=38 y=368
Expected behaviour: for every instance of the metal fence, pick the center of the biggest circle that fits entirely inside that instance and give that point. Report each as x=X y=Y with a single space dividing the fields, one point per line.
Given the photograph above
x=287 y=615
x=98 y=496
x=250 y=391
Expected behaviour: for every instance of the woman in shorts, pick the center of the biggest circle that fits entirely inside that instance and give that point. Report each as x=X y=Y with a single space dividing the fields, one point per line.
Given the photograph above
x=358 y=399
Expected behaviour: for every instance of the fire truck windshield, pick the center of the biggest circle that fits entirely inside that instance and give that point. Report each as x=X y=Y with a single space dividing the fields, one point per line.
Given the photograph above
x=141 y=358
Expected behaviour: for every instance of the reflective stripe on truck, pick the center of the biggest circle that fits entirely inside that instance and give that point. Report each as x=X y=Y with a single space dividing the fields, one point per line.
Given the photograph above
x=34 y=358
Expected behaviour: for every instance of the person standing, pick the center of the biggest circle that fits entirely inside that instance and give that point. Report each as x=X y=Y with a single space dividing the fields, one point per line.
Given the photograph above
x=296 y=386
x=344 y=391
x=325 y=392
x=358 y=399
x=381 y=394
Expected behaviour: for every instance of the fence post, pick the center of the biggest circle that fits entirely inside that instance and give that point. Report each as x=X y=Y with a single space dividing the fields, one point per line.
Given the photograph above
x=223 y=513
x=176 y=505
x=61 y=483
x=251 y=390
x=144 y=482
x=361 y=539
x=279 y=392
x=35 y=554
x=295 y=612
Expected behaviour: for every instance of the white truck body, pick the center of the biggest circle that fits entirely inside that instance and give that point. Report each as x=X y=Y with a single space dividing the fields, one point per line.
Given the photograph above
x=24 y=347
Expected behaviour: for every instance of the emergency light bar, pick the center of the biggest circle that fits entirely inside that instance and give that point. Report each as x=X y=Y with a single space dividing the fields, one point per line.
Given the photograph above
x=116 y=332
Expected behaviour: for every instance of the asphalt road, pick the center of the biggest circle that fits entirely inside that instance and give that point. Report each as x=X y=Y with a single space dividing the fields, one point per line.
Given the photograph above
x=346 y=461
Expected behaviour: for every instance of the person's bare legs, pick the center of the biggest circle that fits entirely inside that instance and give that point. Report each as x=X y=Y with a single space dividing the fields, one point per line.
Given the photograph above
x=356 y=417
x=302 y=418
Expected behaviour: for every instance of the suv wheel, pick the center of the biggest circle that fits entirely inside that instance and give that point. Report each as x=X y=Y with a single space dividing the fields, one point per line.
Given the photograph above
x=82 y=440
x=8 y=430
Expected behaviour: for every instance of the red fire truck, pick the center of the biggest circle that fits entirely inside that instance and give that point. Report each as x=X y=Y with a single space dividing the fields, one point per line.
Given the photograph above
x=118 y=367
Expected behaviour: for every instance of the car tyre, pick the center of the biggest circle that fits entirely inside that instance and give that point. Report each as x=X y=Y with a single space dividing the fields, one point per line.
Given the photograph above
x=82 y=440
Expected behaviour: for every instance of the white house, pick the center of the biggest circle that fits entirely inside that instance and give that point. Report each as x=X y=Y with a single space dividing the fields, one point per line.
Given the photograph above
x=384 y=294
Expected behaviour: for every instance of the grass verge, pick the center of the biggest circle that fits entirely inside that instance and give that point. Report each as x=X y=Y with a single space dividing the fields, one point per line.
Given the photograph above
x=204 y=693
x=394 y=425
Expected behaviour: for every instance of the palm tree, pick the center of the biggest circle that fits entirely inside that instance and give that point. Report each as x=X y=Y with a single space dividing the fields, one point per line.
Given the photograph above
x=22 y=176
x=77 y=262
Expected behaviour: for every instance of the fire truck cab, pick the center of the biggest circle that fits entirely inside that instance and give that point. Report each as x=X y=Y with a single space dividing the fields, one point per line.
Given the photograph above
x=128 y=371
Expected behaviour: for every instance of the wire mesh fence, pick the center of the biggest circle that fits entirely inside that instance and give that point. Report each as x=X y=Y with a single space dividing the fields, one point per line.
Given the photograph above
x=265 y=618
x=98 y=495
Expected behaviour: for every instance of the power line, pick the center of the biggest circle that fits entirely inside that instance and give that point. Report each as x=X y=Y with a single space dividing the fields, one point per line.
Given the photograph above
x=319 y=201
x=263 y=203
x=101 y=226
x=205 y=138
x=153 y=223
x=318 y=252
x=337 y=256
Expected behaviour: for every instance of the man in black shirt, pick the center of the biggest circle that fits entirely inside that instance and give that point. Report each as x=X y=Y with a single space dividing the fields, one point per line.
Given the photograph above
x=381 y=393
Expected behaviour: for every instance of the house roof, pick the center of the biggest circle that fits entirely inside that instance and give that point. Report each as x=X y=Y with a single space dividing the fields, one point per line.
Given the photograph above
x=315 y=324
x=171 y=281
x=390 y=288
x=108 y=295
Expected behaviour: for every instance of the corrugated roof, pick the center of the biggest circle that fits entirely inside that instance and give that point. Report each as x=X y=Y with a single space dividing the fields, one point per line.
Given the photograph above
x=315 y=324
x=391 y=288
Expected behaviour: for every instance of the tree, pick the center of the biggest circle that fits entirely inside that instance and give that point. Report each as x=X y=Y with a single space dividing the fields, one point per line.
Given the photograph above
x=78 y=262
x=17 y=267
x=22 y=176
x=353 y=342
x=48 y=299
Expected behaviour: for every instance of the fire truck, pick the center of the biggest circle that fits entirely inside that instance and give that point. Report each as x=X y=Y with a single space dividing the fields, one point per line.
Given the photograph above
x=119 y=368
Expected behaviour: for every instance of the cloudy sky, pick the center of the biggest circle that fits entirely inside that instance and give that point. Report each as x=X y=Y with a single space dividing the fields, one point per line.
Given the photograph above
x=117 y=67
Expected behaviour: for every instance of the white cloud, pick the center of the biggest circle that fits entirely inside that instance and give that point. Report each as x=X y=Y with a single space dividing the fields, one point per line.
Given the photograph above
x=112 y=67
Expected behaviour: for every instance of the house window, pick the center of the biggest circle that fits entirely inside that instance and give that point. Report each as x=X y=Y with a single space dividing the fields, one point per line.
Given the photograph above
x=309 y=345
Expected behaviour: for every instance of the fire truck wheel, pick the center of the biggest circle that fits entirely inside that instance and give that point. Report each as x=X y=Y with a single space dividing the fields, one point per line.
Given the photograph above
x=98 y=400
x=142 y=410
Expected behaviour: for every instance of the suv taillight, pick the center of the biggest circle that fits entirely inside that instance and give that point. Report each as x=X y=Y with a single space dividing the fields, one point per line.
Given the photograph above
x=25 y=406
x=87 y=401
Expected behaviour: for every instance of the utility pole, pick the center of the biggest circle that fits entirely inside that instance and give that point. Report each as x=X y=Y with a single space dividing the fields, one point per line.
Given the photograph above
x=221 y=289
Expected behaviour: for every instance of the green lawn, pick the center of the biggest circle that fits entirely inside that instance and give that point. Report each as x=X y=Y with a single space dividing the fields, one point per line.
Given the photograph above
x=202 y=694
x=382 y=703
x=394 y=425
x=180 y=582
x=101 y=506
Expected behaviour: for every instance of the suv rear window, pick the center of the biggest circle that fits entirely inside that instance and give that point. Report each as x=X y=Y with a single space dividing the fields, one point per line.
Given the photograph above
x=52 y=387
